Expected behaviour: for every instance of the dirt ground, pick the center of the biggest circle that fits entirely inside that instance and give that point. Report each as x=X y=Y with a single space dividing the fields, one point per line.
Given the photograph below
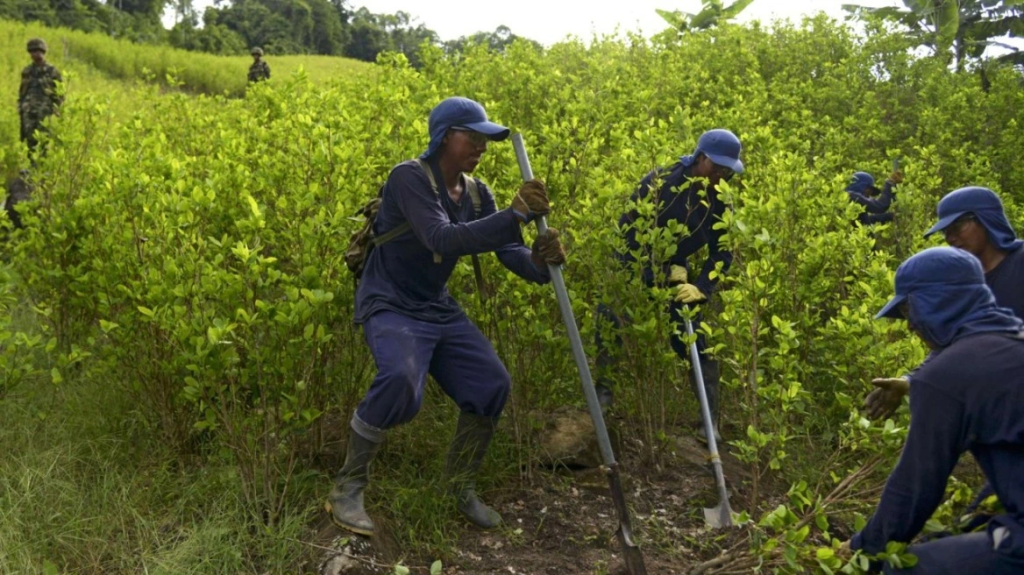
x=565 y=523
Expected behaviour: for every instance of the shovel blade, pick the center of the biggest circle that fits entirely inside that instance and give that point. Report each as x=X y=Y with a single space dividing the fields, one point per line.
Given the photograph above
x=631 y=555
x=719 y=515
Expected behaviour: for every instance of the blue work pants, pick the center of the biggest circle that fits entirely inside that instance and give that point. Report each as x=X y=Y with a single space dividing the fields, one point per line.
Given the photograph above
x=456 y=354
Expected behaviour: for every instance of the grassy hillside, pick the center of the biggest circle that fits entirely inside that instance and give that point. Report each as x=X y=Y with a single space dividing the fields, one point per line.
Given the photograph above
x=198 y=72
x=114 y=74
x=176 y=338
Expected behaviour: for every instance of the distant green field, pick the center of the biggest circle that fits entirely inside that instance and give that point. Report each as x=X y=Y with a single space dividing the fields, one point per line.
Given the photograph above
x=197 y=72
x=98 y=67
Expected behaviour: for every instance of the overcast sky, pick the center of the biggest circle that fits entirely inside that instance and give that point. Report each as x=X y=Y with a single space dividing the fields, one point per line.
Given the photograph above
x=548 y=21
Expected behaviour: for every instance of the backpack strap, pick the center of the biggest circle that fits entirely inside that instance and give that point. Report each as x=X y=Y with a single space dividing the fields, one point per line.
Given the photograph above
x=474 y=195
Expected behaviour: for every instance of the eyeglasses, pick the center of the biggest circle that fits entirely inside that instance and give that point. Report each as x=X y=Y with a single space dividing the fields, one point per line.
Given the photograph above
x=958 y=224
x=476 y=138
x=720 y=171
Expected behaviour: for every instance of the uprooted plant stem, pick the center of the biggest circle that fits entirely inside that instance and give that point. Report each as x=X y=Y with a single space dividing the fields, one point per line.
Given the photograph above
x=740 y=558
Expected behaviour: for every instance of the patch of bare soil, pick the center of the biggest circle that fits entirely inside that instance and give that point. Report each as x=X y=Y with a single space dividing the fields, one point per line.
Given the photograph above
x=564 y=521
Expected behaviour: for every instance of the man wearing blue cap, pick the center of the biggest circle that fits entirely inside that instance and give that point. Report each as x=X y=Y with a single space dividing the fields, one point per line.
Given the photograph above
x=861 y=190
x=968 y=396
x=972 y=219
x=414 y=327
x=683 y=198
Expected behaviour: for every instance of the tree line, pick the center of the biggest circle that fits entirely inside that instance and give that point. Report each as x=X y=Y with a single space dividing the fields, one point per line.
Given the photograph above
x=327 y=27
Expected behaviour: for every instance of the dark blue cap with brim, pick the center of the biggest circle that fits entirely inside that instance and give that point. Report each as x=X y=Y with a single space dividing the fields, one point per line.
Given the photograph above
x=722 y=147
x=459 y=112
x=860 y=181
x=891 y=309
x=944 y=222
x=987 y=209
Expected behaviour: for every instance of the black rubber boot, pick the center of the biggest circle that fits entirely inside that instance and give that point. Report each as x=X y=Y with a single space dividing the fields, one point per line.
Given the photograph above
x=345 y=501
x=465 y=455
x=709 y=369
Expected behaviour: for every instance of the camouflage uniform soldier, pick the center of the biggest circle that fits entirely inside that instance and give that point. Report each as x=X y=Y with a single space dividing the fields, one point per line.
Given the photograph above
x=37 y=97
x=259 y=70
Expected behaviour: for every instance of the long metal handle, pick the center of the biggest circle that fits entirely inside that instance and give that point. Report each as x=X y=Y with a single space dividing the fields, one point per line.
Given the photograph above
x=632 y=556
x=705 y=411
x=565 y=306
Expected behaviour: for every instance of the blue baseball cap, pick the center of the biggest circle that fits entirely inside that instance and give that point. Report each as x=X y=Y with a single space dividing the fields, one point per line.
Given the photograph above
x=860 y=181
x=948 y=298
x=941 y=268
x=722 y=147
x=463 y=113
x=986 y=207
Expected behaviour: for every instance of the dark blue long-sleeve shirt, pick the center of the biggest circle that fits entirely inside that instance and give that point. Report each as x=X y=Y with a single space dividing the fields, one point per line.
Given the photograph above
x=682 y=200
x=401 y=275
x=1006 y=281
x=968 y=396
x=876 y=210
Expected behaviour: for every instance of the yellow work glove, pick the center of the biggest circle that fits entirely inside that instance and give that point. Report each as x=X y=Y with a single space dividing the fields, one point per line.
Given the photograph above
x=896 y=177
x=688 y=293
x=678 y=275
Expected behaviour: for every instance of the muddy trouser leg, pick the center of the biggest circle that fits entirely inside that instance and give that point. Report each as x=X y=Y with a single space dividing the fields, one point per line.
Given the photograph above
x=709 y=367
x=402 y=348
x=469 y=371
x=605 y=361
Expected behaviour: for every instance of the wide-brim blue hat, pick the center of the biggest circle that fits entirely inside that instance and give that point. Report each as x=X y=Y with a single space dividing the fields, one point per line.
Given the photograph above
x=459 y=112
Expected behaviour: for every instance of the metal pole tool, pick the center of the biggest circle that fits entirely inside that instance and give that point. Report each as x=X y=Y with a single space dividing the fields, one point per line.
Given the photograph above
x=721 y=514
x=631 y=552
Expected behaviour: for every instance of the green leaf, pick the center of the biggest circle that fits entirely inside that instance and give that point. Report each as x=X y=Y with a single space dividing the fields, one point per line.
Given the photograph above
x=108 y=326
x=947 y=23
x=435 y=569
x=822 y=522
x=401 y=570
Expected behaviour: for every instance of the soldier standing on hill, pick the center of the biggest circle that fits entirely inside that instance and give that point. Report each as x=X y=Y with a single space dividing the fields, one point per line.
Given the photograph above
x=37 y=97
x=259 y=70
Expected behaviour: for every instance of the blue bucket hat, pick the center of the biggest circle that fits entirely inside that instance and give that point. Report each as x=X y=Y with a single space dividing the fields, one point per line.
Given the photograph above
x=948 y=298
x=722 y=147
x=464 y=113
x=860 y=182
x=986 y=206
